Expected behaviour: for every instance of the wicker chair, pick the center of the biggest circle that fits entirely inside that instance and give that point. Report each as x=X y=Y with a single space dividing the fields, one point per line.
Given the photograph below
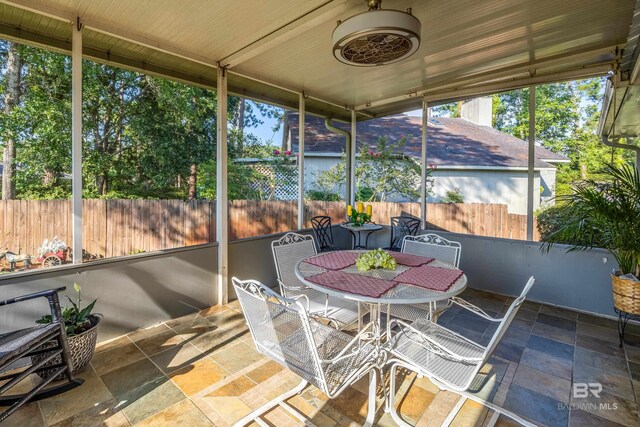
x=402 y=226
x=449 y=360
x=28 y=342
x=434 y=246
x=322 y=231
x=287 y=252
x=283 y=330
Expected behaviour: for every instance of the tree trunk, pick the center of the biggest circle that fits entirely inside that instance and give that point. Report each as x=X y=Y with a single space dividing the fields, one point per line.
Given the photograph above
x=193 y=182
x=11 y=99
x=49 y=177
x=241 y=126
x=285 y=133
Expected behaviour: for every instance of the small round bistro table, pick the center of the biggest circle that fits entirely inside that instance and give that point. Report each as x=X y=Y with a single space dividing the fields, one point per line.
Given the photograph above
x=335 y=273
x=357 y=230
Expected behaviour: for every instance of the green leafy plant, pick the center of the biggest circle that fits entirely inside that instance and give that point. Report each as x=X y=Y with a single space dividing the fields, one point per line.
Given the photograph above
x=603 y=214
x=377 y=258
x=321 y=195
x=358 y=218
x=76 y=320
x=453 y=196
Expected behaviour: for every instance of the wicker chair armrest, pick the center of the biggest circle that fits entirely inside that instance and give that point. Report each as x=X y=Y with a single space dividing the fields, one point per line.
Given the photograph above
x=48 y=294
x=432 y=345
x=474 y=309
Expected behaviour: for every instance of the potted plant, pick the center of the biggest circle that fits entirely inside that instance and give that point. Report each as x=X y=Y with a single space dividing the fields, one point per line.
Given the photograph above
x=606 y=214
x=81 y=326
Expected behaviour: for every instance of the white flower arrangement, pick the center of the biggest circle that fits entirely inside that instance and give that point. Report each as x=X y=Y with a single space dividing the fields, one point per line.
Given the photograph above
x=52 y=246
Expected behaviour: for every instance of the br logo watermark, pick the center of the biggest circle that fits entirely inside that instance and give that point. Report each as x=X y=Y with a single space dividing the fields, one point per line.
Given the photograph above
x=584 y=390
x=587 y=391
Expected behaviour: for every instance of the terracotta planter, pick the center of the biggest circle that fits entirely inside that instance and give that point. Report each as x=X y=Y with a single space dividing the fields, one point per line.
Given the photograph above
x=626 y=294
x=81 y=347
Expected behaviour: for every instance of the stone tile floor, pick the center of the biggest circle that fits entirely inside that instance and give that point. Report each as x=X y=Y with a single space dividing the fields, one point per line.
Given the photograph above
x=202 y=370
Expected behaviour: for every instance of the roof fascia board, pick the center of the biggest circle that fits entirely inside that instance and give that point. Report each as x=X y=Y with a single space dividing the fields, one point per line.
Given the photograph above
x=530 y=68
x=409 y=101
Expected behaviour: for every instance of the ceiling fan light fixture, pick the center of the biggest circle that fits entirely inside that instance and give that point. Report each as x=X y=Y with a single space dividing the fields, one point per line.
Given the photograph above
x=376 y=37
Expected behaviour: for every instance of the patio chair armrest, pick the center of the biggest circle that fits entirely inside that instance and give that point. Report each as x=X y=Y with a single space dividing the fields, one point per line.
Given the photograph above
x=474 y=309
x=292 y=288
x=432 y=345
x=305 y=301
x=48 y=294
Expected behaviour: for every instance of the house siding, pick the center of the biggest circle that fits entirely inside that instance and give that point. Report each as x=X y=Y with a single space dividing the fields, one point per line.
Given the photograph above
x=507 y=186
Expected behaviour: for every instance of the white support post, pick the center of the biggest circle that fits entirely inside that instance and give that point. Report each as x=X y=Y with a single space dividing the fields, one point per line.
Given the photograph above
x=76 y=140
x=301 y=114
x=423 y=166
x=222 y=206
x=351 y=181
x=531 y=160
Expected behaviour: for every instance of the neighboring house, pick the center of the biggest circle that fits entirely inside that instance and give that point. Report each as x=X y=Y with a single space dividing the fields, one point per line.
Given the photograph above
x=486 y=165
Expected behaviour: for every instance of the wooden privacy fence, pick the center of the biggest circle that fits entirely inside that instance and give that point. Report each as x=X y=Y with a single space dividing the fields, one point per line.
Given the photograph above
x=121 y=227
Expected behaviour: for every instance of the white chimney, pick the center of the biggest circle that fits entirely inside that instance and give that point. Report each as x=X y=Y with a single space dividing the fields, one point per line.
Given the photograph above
x=478 y=111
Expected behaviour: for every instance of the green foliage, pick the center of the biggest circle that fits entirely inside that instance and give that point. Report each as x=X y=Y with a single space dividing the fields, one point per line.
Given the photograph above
x=453 y=196
x=382 y=172
x=358 y=218
x=377 y=258
x=142 y=136
x=602 y=214
x=566 y=123
x=76 y=319
x=323 y=196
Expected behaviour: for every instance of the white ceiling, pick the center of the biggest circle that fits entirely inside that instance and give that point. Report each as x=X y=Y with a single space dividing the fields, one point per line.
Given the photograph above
x=275 y=48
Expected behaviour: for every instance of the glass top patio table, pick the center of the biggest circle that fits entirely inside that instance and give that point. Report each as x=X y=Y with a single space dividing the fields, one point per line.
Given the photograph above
x=400 y=293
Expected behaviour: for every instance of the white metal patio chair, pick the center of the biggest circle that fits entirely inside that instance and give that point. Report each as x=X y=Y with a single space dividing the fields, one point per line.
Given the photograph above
x=449 y=360
x=434 y=246
x=282 y=330
x=287 y=252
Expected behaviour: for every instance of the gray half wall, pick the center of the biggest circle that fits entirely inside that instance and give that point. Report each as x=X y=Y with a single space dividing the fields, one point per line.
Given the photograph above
x=577 y=280
x=133 y=292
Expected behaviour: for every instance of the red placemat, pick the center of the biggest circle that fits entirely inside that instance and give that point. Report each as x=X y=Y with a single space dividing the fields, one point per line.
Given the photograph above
x=434 y=278
x=353 y=284
x=410 y=259
x=333 y=260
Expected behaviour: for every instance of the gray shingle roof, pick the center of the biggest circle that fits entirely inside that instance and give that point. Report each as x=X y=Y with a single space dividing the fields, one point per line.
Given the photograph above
x=450 y=141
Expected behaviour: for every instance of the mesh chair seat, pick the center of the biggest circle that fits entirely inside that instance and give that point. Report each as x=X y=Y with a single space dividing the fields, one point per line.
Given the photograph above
x=287 y=252
x=406 y=311
x=17 y=342
x=329 y=342
x=410 y=346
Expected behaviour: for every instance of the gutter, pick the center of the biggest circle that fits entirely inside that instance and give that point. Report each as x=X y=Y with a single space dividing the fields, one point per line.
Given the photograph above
x=605 y=141
x=328 y=123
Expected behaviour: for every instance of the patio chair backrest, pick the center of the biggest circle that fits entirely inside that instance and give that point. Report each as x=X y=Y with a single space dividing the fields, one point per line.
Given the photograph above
x=280 y=329
x=322 y=230
x=287 y=252
x=432 y=245
x=507 y=319
x=402 y=226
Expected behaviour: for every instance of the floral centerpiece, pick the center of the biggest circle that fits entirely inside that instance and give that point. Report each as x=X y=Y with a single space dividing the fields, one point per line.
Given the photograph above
x=53 y=246
x=377 y=258
x=358 y=216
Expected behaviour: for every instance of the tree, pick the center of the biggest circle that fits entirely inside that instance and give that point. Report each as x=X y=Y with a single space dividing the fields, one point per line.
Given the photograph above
x=382 y=172
x=12 y=93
